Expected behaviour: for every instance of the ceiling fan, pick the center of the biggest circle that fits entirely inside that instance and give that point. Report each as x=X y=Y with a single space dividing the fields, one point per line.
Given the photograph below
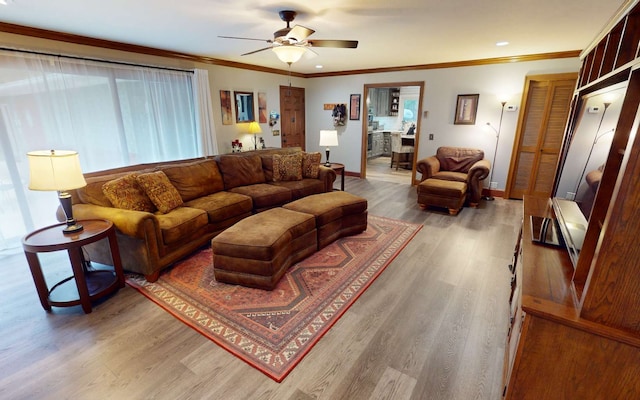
x=290 y=44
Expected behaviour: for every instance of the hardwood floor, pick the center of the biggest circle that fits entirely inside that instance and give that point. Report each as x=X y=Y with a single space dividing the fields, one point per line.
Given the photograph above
x=432 y=326
x=379 y=169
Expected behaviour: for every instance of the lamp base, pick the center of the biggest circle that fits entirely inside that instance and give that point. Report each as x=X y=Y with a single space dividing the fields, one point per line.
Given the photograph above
x=327 y=164
x=73 y=228
x=65 y=202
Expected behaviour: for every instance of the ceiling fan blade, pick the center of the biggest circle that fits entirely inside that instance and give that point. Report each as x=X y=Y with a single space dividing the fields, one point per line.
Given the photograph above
x=245 y=38
x=299 y=33
x=341 y=44
x=256 y=51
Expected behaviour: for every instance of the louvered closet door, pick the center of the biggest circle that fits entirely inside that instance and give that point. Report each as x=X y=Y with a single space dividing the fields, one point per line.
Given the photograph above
x=539 y=135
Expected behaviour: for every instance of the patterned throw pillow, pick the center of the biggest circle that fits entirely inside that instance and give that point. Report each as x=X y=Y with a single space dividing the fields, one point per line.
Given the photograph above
x=160 y=190
x=126 y=193
x=287 y=167
x=311 y=165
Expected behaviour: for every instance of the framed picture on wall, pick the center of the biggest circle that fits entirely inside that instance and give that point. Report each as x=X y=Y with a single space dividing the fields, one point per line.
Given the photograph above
x=225 y=107
x=466 y=109
x=354 y=113
x=262 y=107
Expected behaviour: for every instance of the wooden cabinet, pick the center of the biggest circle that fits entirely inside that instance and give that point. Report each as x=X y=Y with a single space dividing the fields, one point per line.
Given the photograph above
x=579 y=333
x=380 y=101
x=552 y=351
x=386 y=144
x=394 y=101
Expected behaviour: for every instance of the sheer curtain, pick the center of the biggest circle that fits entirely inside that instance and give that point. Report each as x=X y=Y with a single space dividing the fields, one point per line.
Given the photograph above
x=204 y=107
x=112 y=114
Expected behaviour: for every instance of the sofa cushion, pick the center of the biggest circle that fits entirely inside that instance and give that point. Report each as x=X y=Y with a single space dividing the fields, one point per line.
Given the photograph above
x=221 y=206
x=160 y=191
x=195 y=179
x=287 y=167
x=93 y=194
x=265 y=195
x=126 y=193
x=239 y=170
x=458 y=159
x=302 y=188
x=180 y=223
x=311 y=165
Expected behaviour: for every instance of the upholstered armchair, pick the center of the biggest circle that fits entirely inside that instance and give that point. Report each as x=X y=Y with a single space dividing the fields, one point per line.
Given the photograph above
x=457 y=164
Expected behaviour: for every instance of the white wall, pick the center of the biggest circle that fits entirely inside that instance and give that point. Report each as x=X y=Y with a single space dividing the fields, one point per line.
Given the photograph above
x=226 y=78
x=441 y=89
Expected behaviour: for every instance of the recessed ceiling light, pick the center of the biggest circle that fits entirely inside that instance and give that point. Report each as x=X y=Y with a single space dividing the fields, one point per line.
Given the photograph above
x=319 y=66
x=502 y=43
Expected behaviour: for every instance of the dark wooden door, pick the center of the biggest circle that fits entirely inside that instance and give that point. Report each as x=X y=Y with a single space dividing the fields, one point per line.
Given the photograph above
x=292 y=120
x=547 y=100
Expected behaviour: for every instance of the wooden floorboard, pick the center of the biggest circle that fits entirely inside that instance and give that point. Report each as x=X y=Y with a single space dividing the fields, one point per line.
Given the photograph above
x=432 y=326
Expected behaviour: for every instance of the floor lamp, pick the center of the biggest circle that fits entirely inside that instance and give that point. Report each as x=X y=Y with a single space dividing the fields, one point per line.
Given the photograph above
x=595 y=140
x=495 y=151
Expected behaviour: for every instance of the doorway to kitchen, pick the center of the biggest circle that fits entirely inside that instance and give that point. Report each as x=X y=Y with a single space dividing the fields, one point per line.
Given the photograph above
x=391 y=133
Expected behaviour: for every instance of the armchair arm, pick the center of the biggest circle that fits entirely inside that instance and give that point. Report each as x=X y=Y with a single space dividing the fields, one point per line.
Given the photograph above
x=479 y=170
x=477 y=173
x=328 y=176
x=428 y=167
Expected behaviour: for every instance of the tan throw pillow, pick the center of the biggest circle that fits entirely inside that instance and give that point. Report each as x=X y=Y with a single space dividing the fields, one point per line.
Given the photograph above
x=160 y=190
x=287 y=167
x=311 y=165
x=126 y=193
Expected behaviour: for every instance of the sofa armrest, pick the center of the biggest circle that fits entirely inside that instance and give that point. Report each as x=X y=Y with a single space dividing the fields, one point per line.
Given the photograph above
x=139 y=224
x=428 y=167
x=328 y=176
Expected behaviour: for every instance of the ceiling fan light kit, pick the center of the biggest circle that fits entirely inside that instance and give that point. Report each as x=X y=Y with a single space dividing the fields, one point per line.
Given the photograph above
x=289 y=53
x=290 y=44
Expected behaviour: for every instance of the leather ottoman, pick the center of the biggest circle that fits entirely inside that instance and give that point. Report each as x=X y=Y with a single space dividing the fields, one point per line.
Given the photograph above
x=442 y=193
x=337 y=214
x=258 y=250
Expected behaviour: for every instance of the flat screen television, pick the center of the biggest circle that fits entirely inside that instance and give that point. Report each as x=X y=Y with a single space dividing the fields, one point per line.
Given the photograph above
x=572 y=224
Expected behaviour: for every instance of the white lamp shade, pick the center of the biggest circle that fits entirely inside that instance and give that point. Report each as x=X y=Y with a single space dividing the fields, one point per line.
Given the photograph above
x=328 y=138
x=254 y=128
x=58 y=170
x=289 y=53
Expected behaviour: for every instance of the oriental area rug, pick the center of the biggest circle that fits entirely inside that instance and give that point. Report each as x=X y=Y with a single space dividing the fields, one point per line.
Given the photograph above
x=273 y=330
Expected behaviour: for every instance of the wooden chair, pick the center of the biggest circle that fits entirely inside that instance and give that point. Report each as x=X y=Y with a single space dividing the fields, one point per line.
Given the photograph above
x=400 y=154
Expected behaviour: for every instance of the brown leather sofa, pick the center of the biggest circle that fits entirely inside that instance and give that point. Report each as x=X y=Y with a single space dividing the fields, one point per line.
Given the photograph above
x=216 y=193
x=457 y=164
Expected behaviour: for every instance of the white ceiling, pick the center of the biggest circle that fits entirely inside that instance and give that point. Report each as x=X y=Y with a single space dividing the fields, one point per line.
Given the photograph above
x=390 y=33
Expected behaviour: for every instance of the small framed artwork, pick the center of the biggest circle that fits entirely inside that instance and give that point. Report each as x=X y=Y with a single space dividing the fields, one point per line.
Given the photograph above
x=354 y=113
x=225 y=107
x=466 y=109
x=262 y=107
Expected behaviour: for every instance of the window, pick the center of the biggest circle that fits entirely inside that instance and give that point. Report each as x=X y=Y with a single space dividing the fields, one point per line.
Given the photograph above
x=112 y=114
x=410 y=112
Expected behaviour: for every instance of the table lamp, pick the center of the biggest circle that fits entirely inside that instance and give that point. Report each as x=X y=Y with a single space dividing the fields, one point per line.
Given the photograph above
x=328 y=138
x=254 y=129
x=57 y=170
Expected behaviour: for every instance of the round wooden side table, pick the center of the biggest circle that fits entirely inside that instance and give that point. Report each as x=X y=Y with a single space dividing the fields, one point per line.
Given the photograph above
x=89 y=285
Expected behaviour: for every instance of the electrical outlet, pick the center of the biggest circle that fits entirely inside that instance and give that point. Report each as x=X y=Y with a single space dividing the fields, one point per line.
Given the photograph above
x=493 y=185
x=571 y=196
x=431 y=136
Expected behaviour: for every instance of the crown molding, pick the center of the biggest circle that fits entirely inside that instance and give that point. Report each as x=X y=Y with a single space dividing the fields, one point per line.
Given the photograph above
x=132 y=48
